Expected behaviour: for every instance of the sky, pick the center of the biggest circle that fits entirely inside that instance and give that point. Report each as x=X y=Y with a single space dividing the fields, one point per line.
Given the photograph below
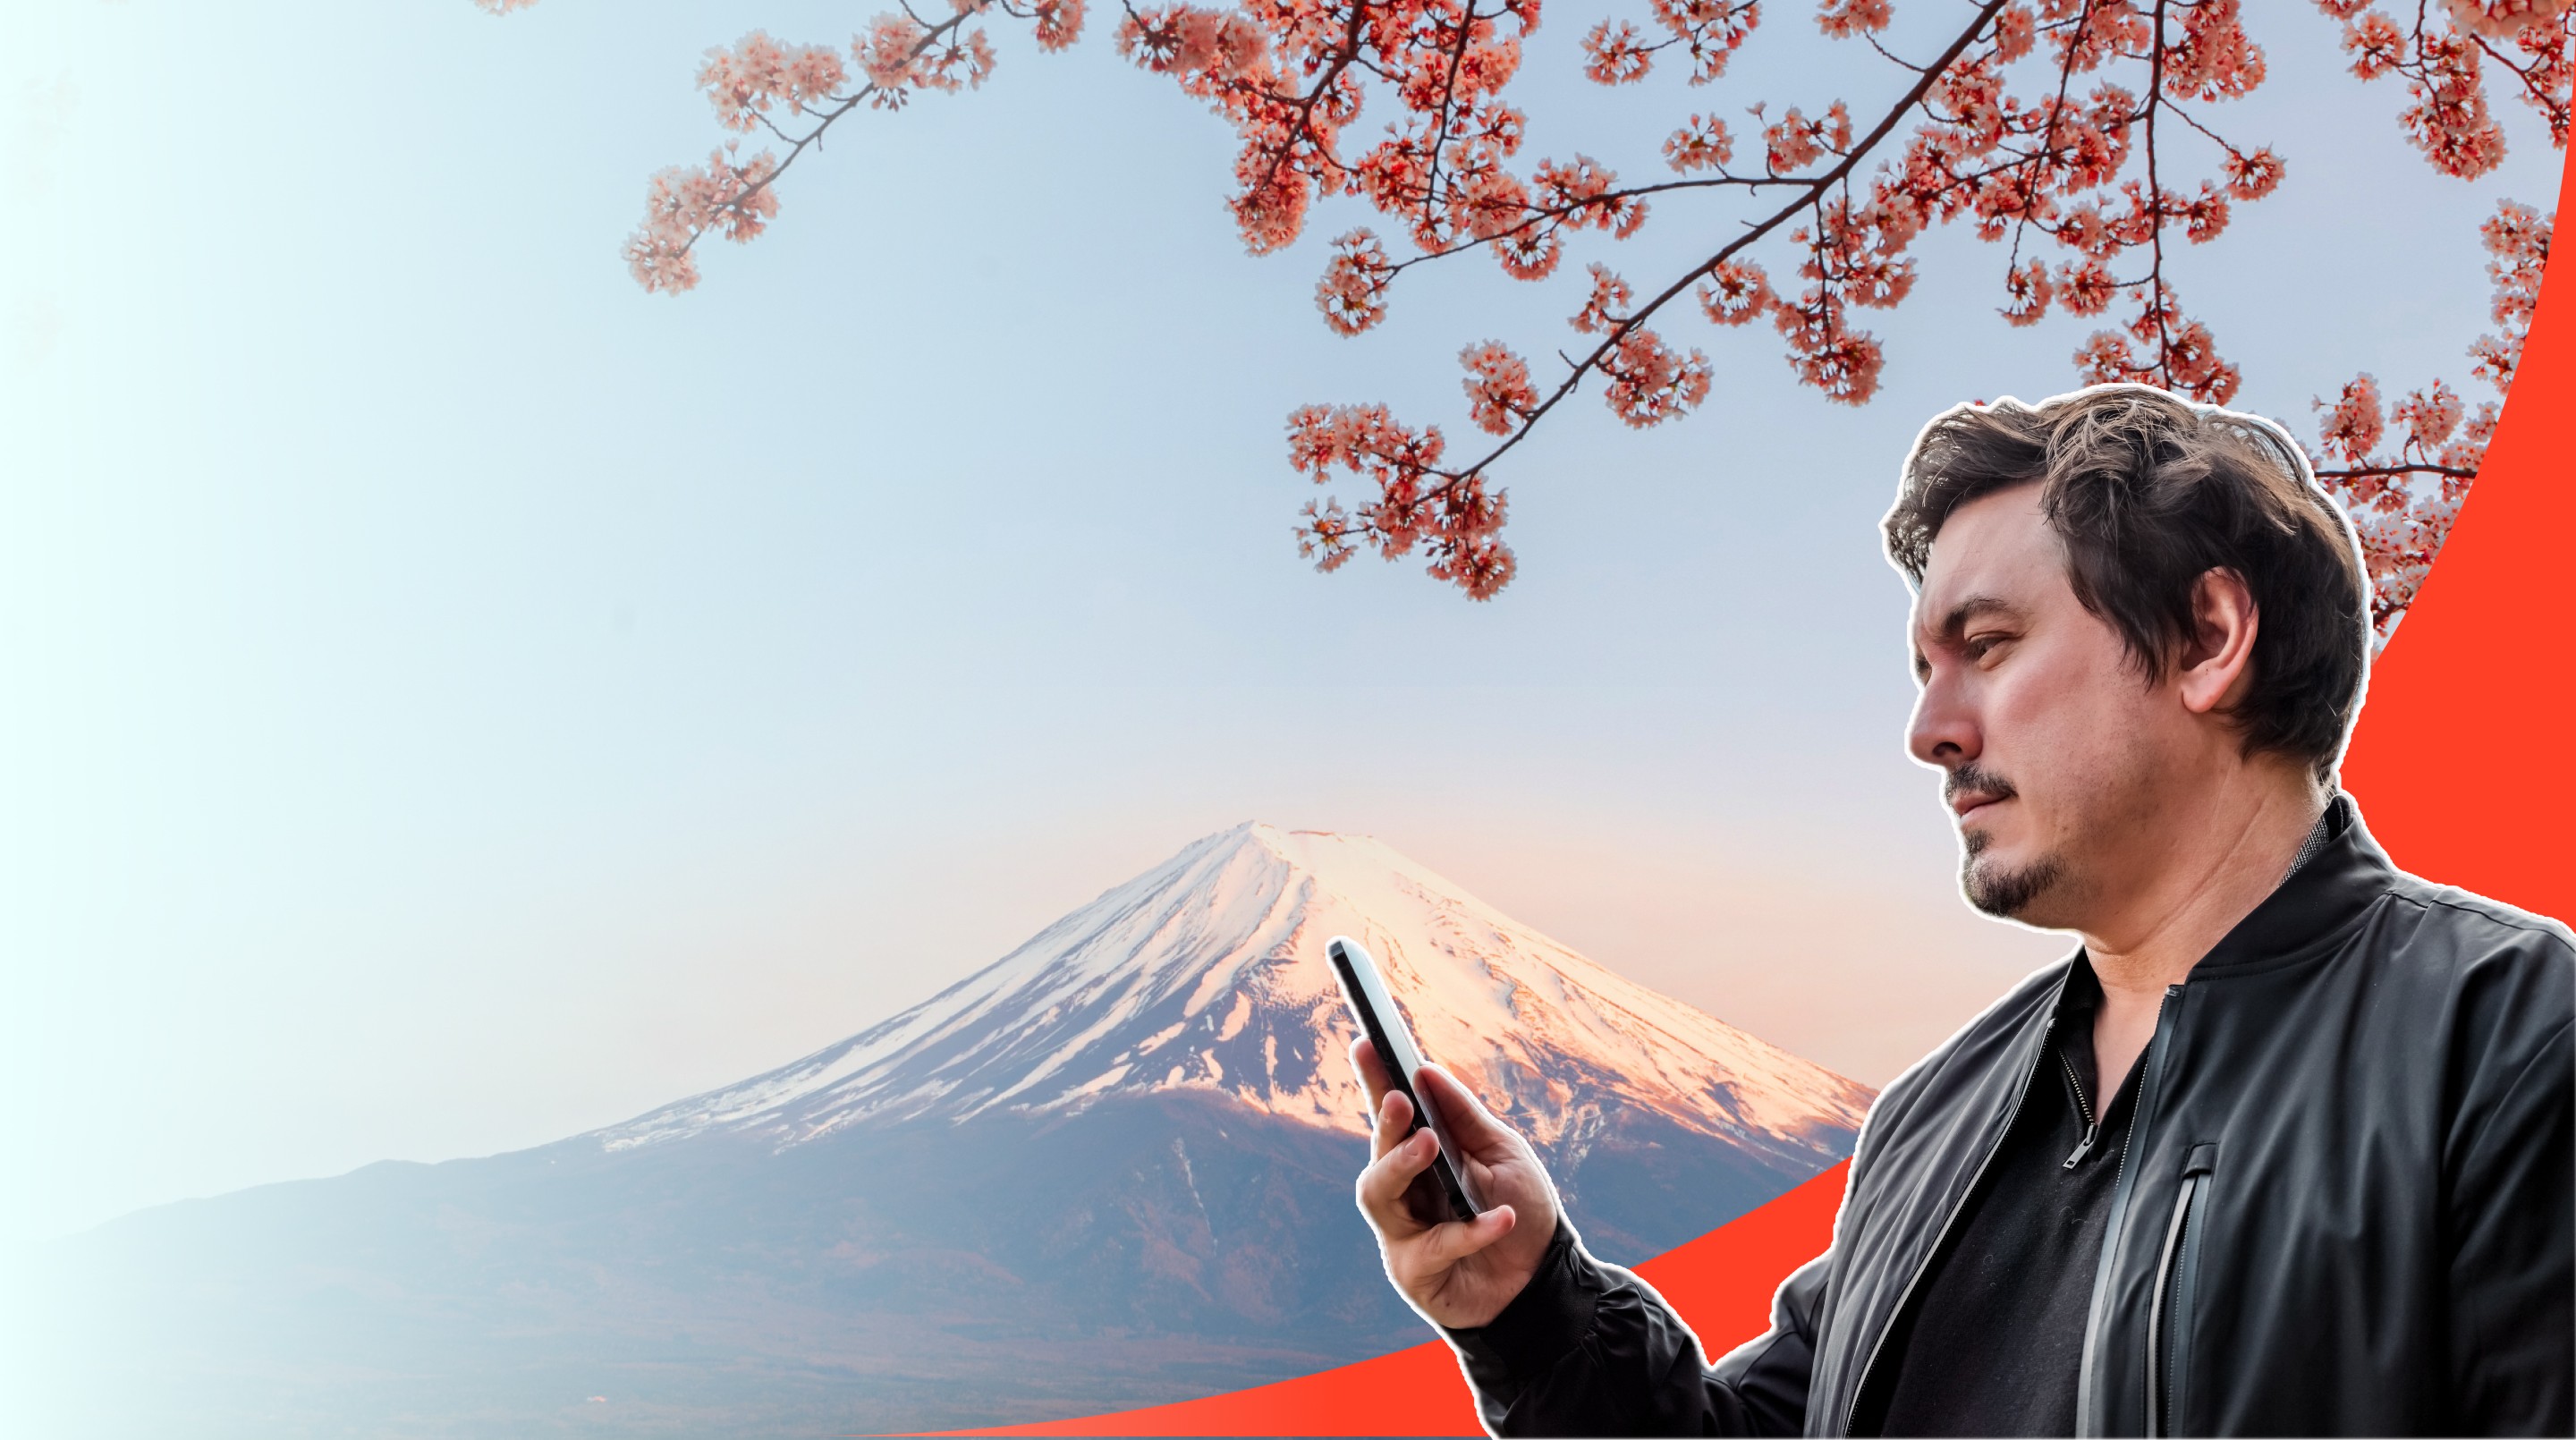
x=455 y=700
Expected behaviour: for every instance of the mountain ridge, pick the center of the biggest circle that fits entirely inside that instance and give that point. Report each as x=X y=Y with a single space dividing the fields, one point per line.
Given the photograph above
x=1156 y=984
x=1112 y=1168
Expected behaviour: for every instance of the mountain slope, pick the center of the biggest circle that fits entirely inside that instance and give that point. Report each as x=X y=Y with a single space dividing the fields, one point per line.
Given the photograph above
x=1111 y=1169
x=1208 y=973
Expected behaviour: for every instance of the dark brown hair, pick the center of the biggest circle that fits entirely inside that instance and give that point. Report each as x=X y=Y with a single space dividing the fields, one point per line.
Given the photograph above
x=2147 y=492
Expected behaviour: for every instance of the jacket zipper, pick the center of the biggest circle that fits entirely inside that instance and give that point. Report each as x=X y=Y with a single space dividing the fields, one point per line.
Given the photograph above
x=2177 y=1275
x=2160 y=1355
x=2143 y=1114
x=1851 y=1412
x=2084 y=1108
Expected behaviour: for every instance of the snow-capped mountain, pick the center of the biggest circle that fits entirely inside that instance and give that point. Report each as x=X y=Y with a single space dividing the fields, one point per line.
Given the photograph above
x=1111 y=1169
x=1208 y=974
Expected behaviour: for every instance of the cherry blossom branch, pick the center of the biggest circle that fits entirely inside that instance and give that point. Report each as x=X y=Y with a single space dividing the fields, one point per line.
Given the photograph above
x=1540 y=216
x=2348 y=475
x=1291 y=76
x=2401 y=523
x=2047 y=139
x=1812 y=195
x=1440 y=115
x=736 y=198
x=2155 y=281
x=1316 y=92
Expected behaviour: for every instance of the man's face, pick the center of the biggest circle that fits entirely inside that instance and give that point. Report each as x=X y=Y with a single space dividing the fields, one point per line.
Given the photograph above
x=2051 y=738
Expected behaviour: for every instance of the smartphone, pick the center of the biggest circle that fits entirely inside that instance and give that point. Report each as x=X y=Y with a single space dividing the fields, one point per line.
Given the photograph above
x=1366 y=991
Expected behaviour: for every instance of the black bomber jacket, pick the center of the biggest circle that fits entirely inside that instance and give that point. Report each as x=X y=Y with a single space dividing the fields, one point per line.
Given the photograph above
x=2347 y=1204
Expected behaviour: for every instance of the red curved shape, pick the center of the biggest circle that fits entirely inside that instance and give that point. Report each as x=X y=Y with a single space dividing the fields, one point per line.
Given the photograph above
x=2461 y=760
x=2461 y=763
x=1721 y=1282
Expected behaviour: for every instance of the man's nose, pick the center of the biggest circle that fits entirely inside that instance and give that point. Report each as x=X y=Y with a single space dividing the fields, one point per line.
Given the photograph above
x=1943 y=732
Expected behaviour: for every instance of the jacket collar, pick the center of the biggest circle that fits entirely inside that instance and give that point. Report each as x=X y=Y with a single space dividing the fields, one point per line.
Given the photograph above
x=2342 y=879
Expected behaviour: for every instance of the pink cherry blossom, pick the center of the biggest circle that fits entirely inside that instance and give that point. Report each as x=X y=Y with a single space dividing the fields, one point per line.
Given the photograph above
x=2404 y=490
x=2086 y=138
x=758 y=72
x=1352 y=293
x=1499 y=394
x=1650 y=382
x=1701 y=144
x=1736 y=292
x=1606 y=307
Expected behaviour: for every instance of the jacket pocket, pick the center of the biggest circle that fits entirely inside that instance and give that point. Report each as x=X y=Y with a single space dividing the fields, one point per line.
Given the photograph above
x=2169 y=1314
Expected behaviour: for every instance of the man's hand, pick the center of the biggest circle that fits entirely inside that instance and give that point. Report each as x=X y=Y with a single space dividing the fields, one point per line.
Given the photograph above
x=1459 y=1273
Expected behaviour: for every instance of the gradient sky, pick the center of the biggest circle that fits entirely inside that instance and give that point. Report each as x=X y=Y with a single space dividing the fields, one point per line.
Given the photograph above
x=455 y=699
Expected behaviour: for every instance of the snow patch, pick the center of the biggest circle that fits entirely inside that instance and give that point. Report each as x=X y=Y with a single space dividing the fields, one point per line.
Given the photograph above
x=1241 y=918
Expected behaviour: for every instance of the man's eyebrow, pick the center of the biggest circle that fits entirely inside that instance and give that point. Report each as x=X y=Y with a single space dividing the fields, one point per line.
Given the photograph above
x=1955 y=623
x=1969 y=608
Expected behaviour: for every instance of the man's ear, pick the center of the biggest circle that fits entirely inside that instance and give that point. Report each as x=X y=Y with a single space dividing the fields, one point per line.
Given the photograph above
x=2218 y=657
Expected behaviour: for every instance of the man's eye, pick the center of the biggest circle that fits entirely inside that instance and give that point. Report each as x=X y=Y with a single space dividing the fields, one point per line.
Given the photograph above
x=1980 y=646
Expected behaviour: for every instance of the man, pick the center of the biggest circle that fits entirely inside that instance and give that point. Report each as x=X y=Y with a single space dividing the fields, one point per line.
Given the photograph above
x=2283 y=1148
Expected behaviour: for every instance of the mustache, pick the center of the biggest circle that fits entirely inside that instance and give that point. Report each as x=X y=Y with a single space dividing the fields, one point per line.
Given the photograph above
x=1974 y=778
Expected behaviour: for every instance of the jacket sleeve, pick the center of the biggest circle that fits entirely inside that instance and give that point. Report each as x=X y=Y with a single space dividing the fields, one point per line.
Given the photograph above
x=1589 y=1349
x=2513 y=1257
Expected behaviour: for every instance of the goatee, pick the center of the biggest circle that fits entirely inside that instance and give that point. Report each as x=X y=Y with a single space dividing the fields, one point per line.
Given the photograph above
x=1998 y=891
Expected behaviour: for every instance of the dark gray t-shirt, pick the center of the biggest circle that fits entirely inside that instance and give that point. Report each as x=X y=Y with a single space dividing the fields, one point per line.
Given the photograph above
x=1993 y=1341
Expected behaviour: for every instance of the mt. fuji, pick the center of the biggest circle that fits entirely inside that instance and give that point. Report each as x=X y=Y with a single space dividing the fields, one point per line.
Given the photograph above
x=1207 y=975
x=1112 y=1168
